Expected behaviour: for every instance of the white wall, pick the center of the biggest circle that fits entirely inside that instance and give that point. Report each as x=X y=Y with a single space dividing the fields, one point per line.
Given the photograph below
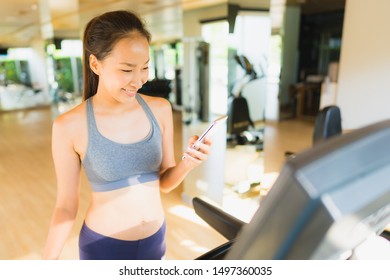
x=38 y=67
x=364 y=89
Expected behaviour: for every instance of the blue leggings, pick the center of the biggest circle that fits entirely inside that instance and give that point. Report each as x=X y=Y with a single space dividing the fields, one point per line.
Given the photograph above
x=95 y=246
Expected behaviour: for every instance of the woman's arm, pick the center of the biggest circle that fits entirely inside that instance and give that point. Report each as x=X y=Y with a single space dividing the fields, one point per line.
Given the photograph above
x=171 y=175
x=67 y=169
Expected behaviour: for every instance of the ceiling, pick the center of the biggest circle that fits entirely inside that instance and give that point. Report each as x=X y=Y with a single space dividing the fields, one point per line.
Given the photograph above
x=318 y=6
x=22 y=21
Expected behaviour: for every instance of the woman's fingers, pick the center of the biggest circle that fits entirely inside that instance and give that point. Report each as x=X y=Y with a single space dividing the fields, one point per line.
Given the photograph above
x=197 y=152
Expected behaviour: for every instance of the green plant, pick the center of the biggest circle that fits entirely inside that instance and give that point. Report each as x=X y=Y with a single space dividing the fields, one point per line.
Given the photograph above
x=63 y=74
x=11 y=72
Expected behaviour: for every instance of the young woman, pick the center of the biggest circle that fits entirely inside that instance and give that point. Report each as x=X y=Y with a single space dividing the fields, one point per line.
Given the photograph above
x=124 y=142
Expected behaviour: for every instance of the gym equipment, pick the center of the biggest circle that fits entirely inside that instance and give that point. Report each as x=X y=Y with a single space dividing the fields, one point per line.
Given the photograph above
x=240 y=128
x=327 y=203
x=327 y=125
x=157 y=87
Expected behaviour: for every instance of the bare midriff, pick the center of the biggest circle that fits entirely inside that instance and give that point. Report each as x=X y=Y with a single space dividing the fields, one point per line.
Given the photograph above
x=130 y=213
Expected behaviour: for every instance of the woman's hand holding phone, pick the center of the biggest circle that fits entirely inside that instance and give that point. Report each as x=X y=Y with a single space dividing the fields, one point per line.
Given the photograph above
x=202 y=144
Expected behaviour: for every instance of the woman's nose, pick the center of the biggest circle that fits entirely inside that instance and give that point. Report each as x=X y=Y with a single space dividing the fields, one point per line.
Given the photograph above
x=137 y=84
x=137 y=80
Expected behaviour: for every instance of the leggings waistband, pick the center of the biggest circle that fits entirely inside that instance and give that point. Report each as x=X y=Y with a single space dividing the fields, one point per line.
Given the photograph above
x=95 y=246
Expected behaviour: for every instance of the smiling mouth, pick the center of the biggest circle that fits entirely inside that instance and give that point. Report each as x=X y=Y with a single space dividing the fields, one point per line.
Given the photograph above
x=128 y=91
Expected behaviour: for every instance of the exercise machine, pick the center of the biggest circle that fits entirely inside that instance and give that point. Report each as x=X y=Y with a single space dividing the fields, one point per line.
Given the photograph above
x=330 y=201
x=240 y=128
x=327 y=124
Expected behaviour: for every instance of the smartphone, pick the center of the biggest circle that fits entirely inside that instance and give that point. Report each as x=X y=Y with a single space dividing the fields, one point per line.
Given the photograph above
x=210 y=130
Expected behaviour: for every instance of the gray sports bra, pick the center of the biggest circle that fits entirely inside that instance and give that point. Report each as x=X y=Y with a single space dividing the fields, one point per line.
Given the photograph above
x=110 y=165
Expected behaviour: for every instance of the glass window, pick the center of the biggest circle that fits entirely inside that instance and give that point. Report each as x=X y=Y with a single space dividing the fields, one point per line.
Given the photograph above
x=216 y=34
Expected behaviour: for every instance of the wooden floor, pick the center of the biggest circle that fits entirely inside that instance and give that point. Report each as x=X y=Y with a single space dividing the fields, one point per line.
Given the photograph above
x=28 y=187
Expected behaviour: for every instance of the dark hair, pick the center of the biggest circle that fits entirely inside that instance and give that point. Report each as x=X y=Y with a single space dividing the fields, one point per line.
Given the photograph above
x=100 y=36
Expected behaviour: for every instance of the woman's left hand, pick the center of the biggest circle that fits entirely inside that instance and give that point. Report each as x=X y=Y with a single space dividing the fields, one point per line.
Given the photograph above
x=197 y=152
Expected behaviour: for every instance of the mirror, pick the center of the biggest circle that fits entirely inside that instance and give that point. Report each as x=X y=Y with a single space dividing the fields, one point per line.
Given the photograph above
x=236 y=63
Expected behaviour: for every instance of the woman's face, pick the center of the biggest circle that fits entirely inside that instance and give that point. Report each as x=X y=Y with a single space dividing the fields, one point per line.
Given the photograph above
x=123 y=72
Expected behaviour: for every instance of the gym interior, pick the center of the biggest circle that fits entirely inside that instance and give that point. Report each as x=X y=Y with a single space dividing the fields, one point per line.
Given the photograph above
x=300 y=81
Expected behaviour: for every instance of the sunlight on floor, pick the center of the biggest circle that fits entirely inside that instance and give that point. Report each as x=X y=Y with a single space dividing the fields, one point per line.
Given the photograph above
x=186 y=233
x=187 y=213
x=191 y=245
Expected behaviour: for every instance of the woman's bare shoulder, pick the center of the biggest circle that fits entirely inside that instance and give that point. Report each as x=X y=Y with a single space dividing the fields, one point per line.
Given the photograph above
x=161 y=109
x=72 y=120
x=157 y=104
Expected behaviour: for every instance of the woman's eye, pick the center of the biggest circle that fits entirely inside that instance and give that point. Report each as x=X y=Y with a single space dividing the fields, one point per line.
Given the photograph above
x=127 y=71
x=145 y=69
